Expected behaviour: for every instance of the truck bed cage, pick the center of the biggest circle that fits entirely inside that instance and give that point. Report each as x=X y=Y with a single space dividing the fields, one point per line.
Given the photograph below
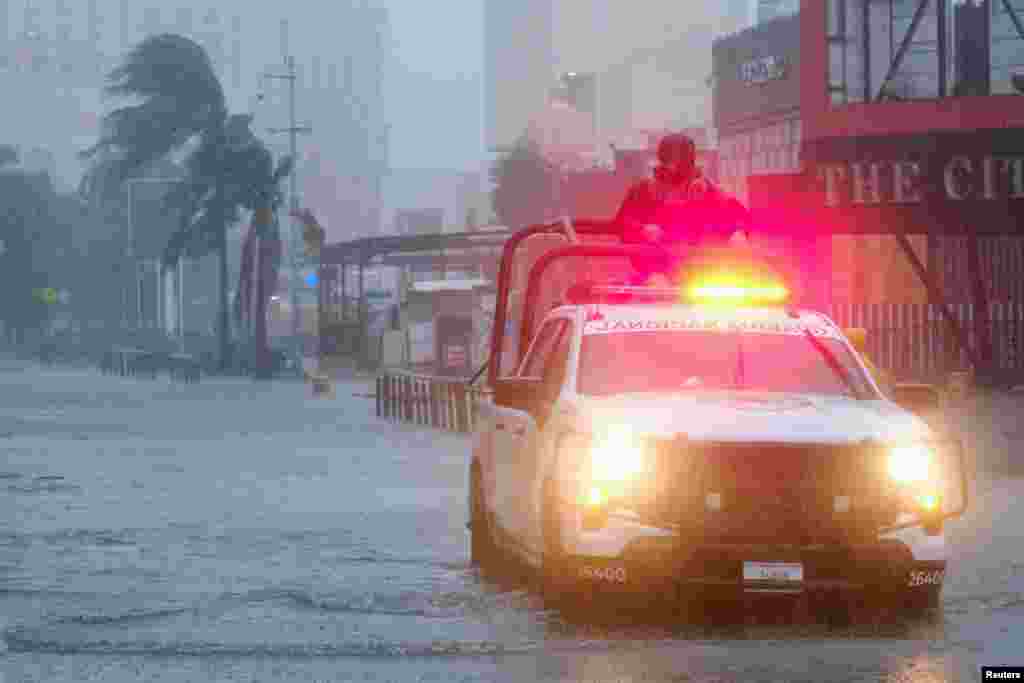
x=576 y=232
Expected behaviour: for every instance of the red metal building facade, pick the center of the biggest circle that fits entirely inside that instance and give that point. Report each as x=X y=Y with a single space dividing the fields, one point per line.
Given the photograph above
x=912 y=140
x=913 y=121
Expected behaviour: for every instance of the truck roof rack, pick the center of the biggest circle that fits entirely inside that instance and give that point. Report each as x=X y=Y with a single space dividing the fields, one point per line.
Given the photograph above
x=593 y=293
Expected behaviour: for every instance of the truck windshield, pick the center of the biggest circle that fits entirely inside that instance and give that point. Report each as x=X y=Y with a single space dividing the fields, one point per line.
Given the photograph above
x=671 y=361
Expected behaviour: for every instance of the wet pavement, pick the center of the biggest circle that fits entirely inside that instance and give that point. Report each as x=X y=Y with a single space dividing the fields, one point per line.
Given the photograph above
x=244 y=531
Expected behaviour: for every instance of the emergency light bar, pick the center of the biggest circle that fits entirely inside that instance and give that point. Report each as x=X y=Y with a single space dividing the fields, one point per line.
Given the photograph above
x=586 y=293
x=769 y=293
x=734 y=281
x=707 y=281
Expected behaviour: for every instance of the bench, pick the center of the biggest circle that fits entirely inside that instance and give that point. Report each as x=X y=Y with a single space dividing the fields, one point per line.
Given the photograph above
x=132 y=362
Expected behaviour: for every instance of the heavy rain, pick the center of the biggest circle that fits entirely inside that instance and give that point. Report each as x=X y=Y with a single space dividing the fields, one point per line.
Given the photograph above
x=313 y=363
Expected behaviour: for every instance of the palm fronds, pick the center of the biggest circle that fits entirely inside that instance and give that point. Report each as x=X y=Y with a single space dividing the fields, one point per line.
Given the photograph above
x=181 y=98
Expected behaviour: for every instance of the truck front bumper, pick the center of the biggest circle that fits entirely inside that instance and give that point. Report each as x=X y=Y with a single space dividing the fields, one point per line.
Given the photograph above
x=666 y=566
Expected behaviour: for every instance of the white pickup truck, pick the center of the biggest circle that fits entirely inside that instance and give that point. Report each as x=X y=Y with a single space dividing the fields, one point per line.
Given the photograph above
x=707 y=437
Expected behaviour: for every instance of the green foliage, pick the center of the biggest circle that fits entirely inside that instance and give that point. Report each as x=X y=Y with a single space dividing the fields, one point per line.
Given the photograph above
x=524 y=191
x=181 y=108
x=227 y=168
x=36 y=236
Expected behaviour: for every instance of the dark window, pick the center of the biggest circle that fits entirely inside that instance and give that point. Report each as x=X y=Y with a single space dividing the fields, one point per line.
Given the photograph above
x=672 y=361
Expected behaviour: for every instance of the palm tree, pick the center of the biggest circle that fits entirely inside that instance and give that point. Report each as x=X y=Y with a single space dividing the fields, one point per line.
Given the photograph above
x=182 y=108
x=262 y=248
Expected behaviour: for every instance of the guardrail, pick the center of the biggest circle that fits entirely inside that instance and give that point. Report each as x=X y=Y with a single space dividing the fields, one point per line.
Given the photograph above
x=439 y=402
x=133 y=362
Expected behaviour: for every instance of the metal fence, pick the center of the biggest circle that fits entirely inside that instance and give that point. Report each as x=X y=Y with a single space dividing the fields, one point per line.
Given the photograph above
x=913 y=341
x=132 y=362
x=910 y=341
x=441 y=403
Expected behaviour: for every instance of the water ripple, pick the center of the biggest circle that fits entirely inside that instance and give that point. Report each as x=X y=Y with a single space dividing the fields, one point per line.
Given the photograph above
x=25 y=641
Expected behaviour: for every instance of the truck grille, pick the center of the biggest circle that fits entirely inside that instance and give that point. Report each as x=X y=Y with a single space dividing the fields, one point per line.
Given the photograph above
x=769 y=493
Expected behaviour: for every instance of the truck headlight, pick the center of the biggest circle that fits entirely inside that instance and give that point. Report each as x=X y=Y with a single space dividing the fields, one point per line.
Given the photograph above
x=911 y=464
x=603 y=467
x=616 y=457
x=918 y=471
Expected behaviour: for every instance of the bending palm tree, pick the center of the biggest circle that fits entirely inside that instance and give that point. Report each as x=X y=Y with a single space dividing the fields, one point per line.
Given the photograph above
x=183 y=107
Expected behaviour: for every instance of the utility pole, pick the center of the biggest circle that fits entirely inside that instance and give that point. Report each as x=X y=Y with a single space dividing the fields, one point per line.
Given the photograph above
x=293 y=130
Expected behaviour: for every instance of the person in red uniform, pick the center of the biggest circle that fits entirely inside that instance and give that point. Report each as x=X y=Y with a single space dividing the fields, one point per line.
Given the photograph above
x=679 y=204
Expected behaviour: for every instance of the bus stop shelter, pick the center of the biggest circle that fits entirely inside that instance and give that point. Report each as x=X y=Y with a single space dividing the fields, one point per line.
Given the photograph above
x=344 y=311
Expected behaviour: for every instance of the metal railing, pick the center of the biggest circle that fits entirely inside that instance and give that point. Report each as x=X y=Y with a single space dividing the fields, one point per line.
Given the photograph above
x=912 y=341
x=450 y=404
x=133 y=362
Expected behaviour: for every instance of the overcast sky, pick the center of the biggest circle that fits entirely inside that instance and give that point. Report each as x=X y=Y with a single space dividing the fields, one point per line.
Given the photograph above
x=434 y=94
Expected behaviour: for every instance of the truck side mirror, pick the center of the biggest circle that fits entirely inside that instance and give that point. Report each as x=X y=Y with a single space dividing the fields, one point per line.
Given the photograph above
x=920 y=399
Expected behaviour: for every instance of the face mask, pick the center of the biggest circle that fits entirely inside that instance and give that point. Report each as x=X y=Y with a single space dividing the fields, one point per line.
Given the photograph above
x=675 y=175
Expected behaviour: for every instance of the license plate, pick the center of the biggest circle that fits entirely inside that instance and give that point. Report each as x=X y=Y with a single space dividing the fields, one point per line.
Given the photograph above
x=776 y=572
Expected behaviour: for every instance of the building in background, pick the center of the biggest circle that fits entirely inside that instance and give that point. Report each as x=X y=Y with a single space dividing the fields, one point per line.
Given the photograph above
x=518 y=66
x=645 y=69
x=628 y=71
x=423 y=221
x=756 y=85
x=341 y=96
x=56 y=55
x=580 y=91
x=930 y=138
x=868 y=120
x=456 y=195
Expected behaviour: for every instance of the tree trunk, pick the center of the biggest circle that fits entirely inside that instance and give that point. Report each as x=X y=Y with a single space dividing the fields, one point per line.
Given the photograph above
x=224 y=331
x=247 y=272
x=260 y=336
x=264 y=270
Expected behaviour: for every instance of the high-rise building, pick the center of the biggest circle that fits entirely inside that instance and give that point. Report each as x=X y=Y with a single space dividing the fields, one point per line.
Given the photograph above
x=236 y=52
x=184 y=22
x=518 y=66
x=56 y=53
x=340 y=93
x=651 y=67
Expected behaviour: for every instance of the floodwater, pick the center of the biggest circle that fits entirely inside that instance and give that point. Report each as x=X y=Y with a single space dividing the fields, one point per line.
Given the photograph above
x=234 y=530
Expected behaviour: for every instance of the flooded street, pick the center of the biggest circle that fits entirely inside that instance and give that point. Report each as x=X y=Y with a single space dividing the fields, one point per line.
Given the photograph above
x=234 y=530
